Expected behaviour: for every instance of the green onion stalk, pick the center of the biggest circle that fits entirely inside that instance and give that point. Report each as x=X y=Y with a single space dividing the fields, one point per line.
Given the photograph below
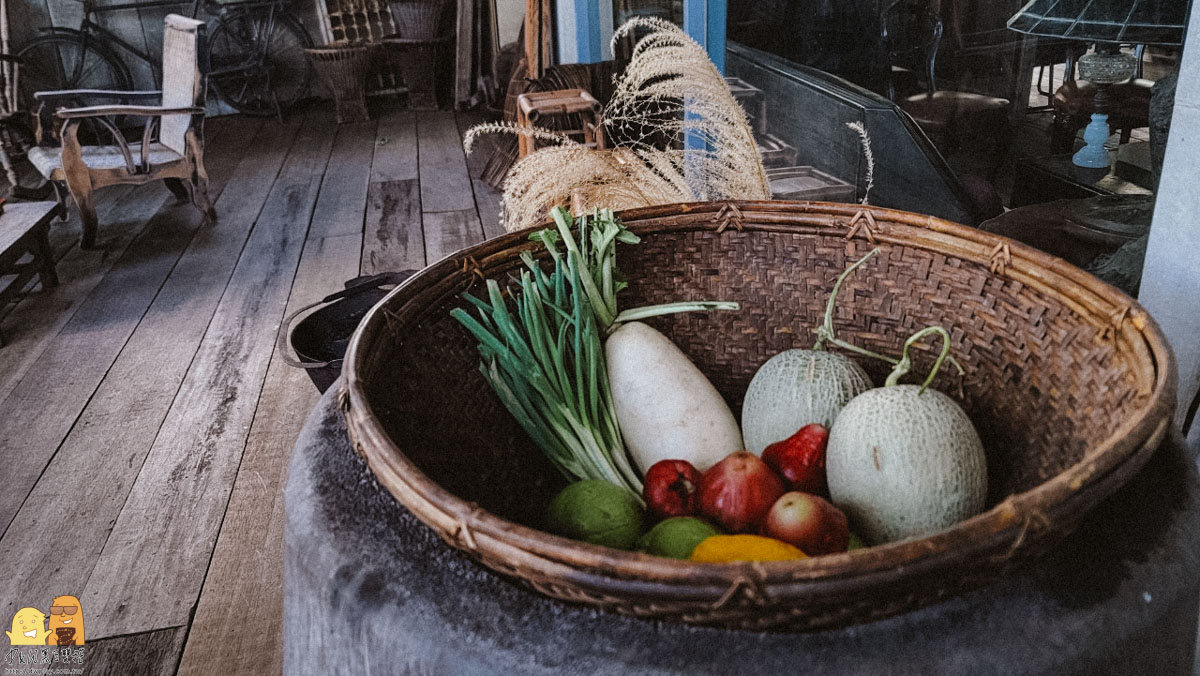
x=542 y=350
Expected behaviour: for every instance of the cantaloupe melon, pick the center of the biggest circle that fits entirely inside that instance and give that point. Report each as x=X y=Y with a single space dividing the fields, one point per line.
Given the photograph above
x=903 y=462
x=795 y=388
x=799 y=387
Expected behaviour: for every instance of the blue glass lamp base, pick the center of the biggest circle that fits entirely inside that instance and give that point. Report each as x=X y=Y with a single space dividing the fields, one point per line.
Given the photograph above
x=1093 y=155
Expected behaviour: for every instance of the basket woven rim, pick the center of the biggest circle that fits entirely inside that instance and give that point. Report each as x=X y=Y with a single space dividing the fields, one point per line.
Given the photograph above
x=1012 y=523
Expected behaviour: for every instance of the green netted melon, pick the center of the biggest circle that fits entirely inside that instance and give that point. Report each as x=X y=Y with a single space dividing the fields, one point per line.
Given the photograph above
x=795 y=388
x=904 y=463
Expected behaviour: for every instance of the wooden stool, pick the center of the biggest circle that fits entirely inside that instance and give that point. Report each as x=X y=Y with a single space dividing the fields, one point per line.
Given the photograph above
x=531 y=107
x=25 y=229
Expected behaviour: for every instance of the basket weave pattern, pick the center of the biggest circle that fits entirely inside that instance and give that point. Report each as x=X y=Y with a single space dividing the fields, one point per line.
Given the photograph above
x=1068 y=381
x=343 y=70
x=418 y=19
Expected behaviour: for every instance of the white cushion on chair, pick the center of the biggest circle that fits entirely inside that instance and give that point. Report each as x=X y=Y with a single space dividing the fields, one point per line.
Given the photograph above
x=48 y=161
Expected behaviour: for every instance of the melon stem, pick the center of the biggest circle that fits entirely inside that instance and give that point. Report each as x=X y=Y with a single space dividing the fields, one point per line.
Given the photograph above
x=825 y=331
x=905 y=363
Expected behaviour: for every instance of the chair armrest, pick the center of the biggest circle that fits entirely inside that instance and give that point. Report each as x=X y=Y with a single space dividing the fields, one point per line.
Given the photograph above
x=94 y=93
x=141 y=111
x=9 y=57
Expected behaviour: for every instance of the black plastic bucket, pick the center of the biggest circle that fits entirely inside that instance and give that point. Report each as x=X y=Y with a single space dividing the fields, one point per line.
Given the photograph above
x=319 y=340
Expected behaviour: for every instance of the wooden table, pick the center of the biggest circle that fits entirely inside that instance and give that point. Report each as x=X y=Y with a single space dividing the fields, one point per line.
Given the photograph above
x=24 y=234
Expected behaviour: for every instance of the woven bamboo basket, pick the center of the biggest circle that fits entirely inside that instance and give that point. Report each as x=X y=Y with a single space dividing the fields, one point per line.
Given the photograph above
x=342 y=68
x=1069 y=382
x=418 y=19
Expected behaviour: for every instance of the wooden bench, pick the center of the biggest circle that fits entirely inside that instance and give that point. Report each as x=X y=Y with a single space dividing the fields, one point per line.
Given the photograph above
x=25 y=230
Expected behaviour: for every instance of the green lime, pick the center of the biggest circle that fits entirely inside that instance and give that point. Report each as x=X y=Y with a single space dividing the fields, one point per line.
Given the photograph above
x=676 y=537
x=598 y=512
x=856 y=543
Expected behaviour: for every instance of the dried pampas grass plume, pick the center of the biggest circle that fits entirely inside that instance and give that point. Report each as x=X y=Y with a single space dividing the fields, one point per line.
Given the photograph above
x=869 y=156
x=538 y=133
x=680 y=135
x=671 y=89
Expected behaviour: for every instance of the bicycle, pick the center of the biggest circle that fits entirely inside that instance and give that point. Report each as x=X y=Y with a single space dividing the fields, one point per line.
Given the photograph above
x=257 y=62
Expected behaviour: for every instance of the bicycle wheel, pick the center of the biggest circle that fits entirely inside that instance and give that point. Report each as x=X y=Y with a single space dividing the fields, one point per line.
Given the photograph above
x=257 y=60
x=61 y=61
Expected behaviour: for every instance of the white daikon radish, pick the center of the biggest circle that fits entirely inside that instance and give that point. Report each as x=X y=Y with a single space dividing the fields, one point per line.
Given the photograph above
x=905 y=461
x=666 y=408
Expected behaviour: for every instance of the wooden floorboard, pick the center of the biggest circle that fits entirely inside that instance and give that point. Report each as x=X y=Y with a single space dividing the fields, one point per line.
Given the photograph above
x=445 y=183
x=395 y=147
x=249 y=552
x=100 y=458
x=41 y=409
x=148 y=389
x=151 y=653
x=340 y=206
x=151 y=570
x=487 y=198
x=449 y=231
x=449 y=221
x=123 y=212
x=392 y=238
x=31 y=325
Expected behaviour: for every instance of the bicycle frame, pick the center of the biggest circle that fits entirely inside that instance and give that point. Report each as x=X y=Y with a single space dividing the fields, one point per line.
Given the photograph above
x=89 y=29
x=244 y=36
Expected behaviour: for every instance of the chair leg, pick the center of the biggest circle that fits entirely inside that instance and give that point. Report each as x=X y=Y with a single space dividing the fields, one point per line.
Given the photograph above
x=179 y=189
x=45 y=259
x=201 y=200
x=199 y=179
x=60 y=196
x=87 y=214
x=79 y=183
x=9 y=172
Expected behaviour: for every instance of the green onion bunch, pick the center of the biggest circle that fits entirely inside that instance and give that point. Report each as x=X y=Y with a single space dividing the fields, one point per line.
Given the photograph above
x=542 y=346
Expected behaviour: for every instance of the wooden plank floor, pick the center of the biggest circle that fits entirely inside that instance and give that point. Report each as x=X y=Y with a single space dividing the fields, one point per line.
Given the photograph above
x=146 y=419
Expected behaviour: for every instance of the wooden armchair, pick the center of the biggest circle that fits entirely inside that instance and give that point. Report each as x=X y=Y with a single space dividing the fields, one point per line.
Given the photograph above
x=172 y=141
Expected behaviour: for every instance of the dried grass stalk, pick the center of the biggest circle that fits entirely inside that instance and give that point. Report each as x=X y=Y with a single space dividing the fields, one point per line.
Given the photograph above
x=681 y=136
x=865 y=139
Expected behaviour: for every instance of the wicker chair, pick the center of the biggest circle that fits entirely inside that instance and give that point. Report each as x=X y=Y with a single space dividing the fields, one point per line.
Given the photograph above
x=172 y=145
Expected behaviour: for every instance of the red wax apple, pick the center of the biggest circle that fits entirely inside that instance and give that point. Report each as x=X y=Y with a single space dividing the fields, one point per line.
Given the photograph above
x=809 y=522
x=670 y=488
x=800 y=459
x=738 y=491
